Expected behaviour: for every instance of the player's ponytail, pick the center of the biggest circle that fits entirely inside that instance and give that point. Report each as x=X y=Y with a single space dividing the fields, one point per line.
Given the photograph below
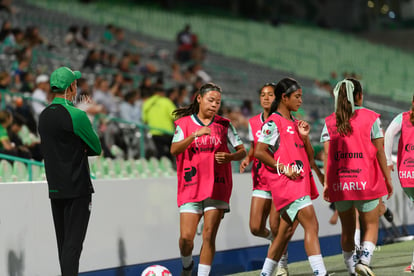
x=194 y=107
x=285 y=87
x=345 y=93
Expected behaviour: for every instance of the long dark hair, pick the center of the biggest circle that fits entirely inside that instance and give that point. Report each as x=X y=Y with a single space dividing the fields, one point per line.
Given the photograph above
x=194 y=107
x=285 y=86
x=344 y=109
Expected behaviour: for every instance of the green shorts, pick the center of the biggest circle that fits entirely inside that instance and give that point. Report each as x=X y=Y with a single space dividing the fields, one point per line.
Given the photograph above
x=362 y=205
x=293 y=208
x=262 y=194
x=204 y=206
x=409 y=192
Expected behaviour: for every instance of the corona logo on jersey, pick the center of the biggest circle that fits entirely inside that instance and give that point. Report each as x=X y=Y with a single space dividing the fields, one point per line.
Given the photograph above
x=348 y=155
x=156 y=270
x=409 y=147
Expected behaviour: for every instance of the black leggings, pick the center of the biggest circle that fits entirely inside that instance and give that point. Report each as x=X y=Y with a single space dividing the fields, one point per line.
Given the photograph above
x=71 y=218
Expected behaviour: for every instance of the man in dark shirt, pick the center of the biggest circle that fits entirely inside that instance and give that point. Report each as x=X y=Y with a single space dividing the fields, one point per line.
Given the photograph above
x=67 y=138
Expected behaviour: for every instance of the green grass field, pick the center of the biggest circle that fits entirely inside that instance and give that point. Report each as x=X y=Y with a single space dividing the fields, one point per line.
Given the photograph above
x=388 y=260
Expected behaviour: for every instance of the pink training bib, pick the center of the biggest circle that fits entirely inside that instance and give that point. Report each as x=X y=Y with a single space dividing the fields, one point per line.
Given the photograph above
x=291 y=152
x=256 y=123
x=353 y=171
x=405 y=159
x=199 y=175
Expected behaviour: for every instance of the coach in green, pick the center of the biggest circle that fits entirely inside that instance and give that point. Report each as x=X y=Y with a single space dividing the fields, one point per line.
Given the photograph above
x=67 y=138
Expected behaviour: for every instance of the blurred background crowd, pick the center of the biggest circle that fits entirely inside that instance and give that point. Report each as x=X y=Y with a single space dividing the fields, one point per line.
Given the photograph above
x=140 y=62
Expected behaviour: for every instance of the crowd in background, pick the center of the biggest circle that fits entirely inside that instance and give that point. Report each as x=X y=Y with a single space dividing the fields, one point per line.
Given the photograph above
x=120 y=73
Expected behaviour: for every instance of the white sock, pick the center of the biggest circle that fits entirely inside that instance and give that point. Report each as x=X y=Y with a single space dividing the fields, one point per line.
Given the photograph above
x=203 y=270
x=186 y=260
x=268 y=267
x=283 y=262
x=317 y=265
x=349 y=261
x=413 y=258
x=357 y=238
x=270 y=236
x=367 y=251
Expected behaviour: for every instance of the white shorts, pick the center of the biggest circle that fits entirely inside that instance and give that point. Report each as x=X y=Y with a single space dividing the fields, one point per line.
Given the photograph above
x=204 y=206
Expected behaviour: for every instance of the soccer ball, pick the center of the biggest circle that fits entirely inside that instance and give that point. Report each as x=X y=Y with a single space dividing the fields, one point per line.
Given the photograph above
x=156 y=270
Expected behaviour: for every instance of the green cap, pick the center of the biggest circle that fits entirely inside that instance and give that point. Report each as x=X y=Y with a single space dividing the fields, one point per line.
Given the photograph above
x=62 y=78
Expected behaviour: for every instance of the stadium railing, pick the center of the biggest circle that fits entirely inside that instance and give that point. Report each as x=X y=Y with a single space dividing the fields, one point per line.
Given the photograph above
x=16 y=172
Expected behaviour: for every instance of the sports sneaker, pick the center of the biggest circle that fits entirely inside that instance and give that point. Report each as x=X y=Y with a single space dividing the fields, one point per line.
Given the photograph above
x=388 y=215
x=410 y=268
x=363 y=269
x=282 y=271
x=187 y=271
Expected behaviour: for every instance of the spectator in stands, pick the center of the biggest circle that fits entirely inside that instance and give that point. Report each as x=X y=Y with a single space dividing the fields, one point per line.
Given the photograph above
x=92 y=60
x=6 y=119
x=33 y=37
x=40 y=95
x=199 y=72
x=19 y=73
x=102 y=95
x=108 y=35
x=173 y=94
x=117 y=86
x=183 y=96
x=5 y=81
x=354 y=130
x=184 y=44
x=176 y=74
x=82 y=38
x=28 y=82
x=6 y=5
x=124 y=66
x=13 y=40
x=157 y=114
x=204 y=173
x=6 y=29
x=31 y=150
x=70 y=37
x=112 y=60
x=130 y=107
x=6 y=145
x=123 y=44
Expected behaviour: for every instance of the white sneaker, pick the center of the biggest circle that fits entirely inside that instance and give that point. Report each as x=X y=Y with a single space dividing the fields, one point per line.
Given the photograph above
x=409 y=268
x=363 y=269
x=282 y=271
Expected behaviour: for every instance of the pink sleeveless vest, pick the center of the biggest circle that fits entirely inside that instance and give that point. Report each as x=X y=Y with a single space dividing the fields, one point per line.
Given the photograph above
x=405 y=160
x=256 y=123
x=353 y=172
x=290 y=152
x=199 y=176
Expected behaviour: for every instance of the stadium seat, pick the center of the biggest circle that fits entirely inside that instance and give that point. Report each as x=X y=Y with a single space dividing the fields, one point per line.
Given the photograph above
x=6 y=171
x=20 y=171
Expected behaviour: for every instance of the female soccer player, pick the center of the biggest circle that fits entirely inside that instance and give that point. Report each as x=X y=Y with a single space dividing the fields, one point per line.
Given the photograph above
x=261 y=206
x=403 y=123
x=283 y=147
x=204 y=172
x=355 y=168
